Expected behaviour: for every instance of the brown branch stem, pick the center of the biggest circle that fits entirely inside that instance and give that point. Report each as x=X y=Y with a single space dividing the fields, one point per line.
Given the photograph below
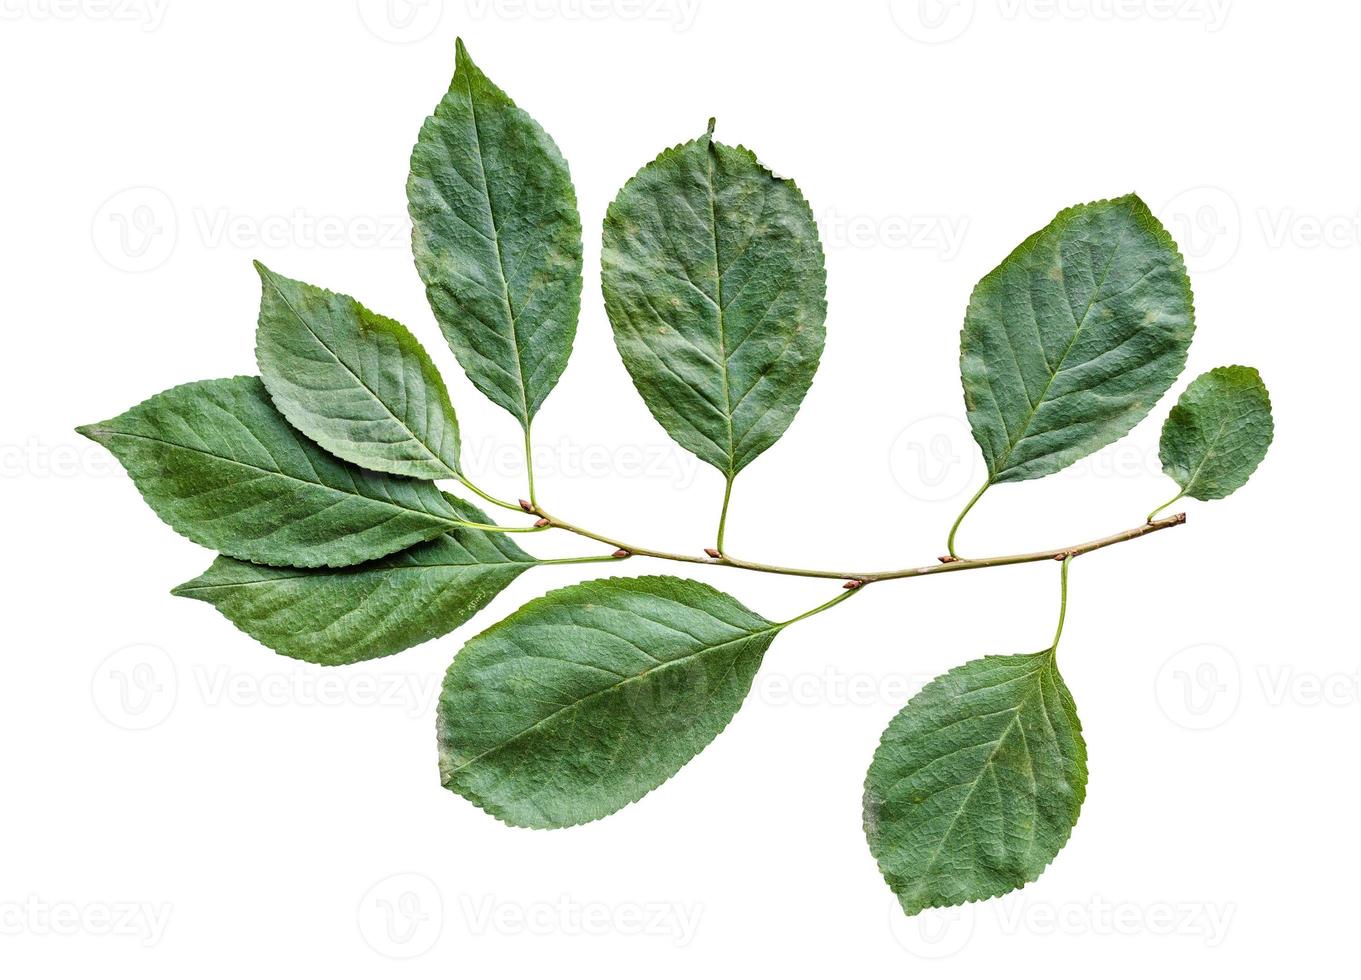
x=864 y=578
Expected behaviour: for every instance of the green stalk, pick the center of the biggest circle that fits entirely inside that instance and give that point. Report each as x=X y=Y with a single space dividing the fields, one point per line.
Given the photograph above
x=723 y=516
x=499 y=529
x=529 y=466
x=581 y=561
x=954 y=528
x=486 y=496
x=1063 y=603
x=1156 y=510
x=817 y=609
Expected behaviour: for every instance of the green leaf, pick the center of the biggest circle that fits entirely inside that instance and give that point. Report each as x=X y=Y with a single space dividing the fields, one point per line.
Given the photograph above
x=1073 y=338
x=977 y=783
x=714 y=284
x=355 y=382
x=1218 y=432
x=343 y=616
x=497 y=240
x=218 y=463
x=588 y=698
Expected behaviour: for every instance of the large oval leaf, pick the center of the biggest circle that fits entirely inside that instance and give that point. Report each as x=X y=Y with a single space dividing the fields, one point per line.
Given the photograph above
x=218 y=463
x=1073 y=338
x=497 y=240
x=1218 y=432
x=977 y=783
x=591 y=696
x=714 y=283
x=345 y=615
x=355 y=382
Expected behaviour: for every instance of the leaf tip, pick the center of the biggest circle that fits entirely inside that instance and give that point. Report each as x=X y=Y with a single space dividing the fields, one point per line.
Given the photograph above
x=92 y=432
x=463 y=61
x=709 y=131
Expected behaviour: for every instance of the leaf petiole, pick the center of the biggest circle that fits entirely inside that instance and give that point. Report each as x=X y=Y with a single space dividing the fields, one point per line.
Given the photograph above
x=581 y=561
x=723 y=515
x=817 y=609
x=954 y=528
x=486 y=496
x=1063 y=603
x=1157 y=510
x=499 y=529
x=529 y=466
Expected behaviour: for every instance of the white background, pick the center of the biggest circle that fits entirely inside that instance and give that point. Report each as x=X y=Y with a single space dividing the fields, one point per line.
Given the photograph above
x=179 y=801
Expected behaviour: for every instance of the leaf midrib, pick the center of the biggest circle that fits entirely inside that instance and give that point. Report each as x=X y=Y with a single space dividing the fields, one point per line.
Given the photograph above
x=303 y=574
x=500 y=258
x=286 y=476
x=774 y=628
x=362 y=383
x=1058 y=368
x=718 y=301
x=1205 y=458
x=983 y=770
